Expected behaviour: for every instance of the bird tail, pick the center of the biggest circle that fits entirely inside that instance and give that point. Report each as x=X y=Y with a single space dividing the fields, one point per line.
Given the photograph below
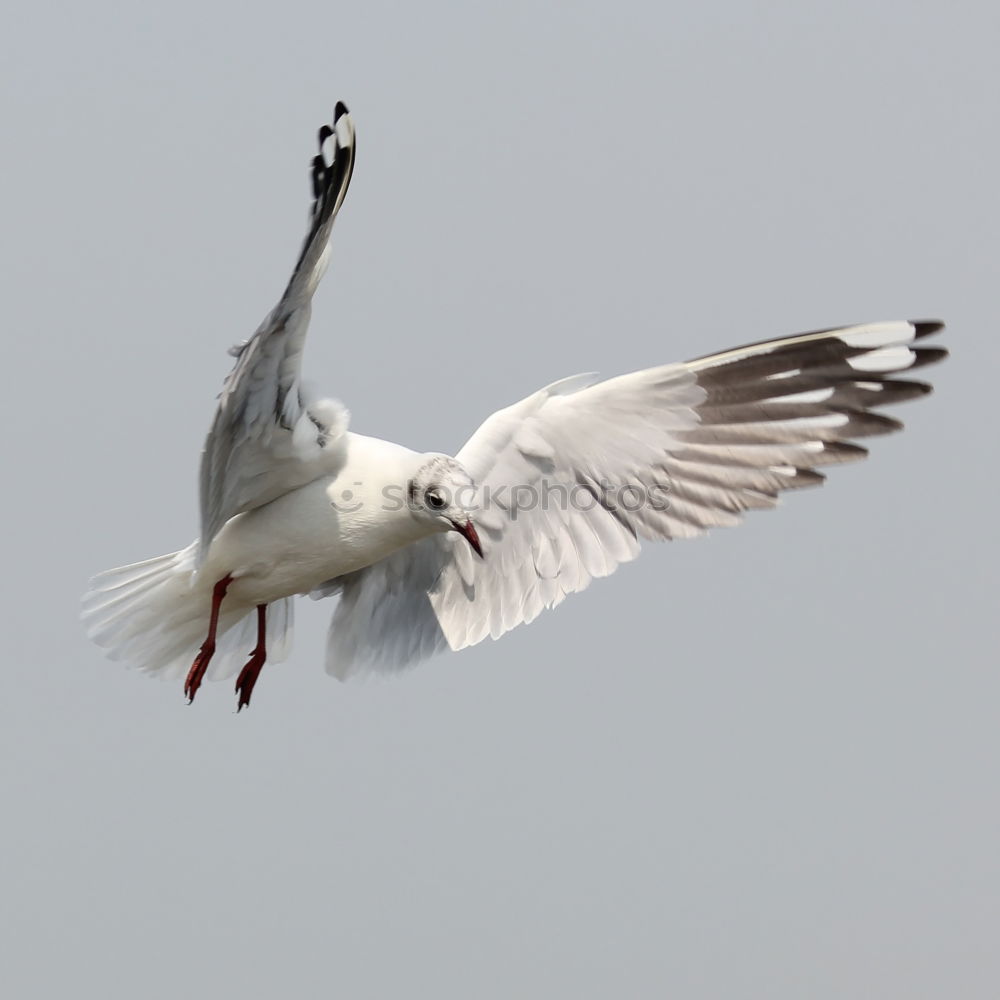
x=152 y=616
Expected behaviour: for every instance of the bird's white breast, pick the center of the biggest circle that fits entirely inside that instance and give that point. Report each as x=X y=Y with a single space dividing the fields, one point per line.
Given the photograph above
x=329 y=527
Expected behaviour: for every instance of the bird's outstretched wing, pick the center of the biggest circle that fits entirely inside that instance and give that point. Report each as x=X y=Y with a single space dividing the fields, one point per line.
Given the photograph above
x=269 y=436
x=572 y=477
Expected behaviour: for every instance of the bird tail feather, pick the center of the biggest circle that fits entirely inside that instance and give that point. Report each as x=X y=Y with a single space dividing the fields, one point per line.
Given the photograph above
x=150 y=615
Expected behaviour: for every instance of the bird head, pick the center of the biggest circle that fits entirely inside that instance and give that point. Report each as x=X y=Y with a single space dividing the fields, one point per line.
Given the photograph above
x=443 y=495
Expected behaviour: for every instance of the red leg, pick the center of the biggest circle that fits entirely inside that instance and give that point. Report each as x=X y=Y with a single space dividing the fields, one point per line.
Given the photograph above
x=197 y=672
x=250 y=673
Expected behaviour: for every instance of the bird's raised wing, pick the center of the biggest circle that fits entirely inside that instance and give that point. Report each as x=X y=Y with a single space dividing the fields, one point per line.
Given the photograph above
x=572 y=477
x=269 y=435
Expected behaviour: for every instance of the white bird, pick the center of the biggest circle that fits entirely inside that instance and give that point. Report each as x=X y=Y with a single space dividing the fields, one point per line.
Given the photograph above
x=562 y=485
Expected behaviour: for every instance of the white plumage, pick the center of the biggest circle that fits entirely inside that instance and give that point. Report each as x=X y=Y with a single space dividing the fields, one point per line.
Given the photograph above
x=561 y=486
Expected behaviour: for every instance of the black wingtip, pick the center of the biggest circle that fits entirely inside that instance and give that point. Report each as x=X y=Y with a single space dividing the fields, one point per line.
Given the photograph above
x=318 y=174
x=339 y=111
x=324 y=133
x=926 y=327
x=927 y=356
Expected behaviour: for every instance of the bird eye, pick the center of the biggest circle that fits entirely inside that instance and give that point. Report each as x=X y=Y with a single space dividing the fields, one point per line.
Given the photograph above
x=434 y=500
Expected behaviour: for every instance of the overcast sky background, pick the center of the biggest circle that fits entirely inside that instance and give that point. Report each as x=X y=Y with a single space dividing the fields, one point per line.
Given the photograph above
x=762 y=764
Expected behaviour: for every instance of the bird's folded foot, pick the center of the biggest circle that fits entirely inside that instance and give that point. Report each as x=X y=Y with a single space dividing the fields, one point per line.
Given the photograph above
x=197 y=672
x=248 y=677
x=250 y=672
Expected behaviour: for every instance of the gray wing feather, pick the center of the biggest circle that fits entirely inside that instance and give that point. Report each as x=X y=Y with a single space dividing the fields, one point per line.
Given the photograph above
x=711 y=438
x=270 y=435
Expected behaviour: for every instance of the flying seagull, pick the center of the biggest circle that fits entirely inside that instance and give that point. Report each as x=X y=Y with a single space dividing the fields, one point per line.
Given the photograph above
x=428 y=552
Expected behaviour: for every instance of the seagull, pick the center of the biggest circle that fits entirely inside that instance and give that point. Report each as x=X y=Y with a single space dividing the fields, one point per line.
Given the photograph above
x=428 y=552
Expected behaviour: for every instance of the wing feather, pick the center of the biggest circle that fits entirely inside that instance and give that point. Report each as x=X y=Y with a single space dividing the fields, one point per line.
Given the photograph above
x=575 y=475
x=270 y=434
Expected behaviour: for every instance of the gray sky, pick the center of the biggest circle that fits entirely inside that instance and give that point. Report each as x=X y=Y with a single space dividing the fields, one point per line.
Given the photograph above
x=762 y=764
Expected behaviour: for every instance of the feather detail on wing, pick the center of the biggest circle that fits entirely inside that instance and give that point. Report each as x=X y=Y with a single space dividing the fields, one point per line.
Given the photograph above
x=574 y=476
x=270 y=433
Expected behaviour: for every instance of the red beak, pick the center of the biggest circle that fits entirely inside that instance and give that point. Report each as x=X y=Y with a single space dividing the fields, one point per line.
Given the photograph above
x=468 y=530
